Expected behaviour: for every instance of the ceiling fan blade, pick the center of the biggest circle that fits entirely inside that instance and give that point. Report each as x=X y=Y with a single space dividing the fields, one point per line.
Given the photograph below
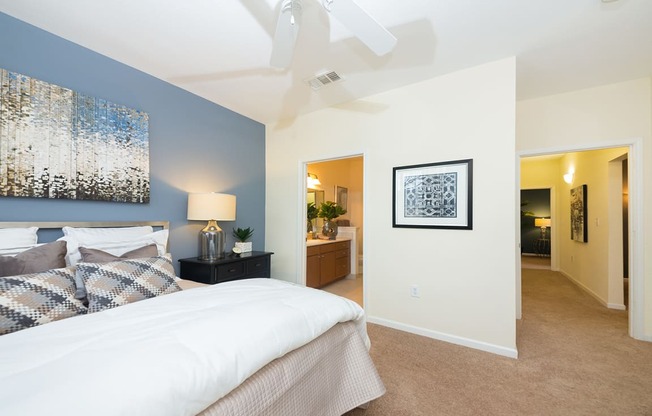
x=362 y=25
x=287 y=30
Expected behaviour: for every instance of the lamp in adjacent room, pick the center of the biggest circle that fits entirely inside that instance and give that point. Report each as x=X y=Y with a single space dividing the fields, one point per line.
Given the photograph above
x=542 y=223
x=312 y=180
x=211 y=207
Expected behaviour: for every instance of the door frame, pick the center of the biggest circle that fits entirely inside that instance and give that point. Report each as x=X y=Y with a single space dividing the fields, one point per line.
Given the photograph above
x=552 y=190
x=635 y=217
x=302 y=259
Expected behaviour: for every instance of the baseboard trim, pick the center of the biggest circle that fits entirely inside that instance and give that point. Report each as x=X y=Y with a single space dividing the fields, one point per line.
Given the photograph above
x=440 y=336
x=586 y=289
x=617 y=306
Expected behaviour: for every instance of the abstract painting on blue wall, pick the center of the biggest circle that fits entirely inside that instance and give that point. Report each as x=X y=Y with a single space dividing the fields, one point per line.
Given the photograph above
x=58 y=143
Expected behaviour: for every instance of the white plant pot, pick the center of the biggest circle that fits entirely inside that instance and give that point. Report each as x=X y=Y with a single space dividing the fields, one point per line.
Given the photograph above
x=244 y=247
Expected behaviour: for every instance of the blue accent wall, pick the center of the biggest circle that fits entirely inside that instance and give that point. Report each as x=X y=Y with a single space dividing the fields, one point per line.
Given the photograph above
x=195 y=145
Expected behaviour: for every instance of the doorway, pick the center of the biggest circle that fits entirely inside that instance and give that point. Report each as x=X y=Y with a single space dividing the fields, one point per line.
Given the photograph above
x=628 y=240
x=536 y=230
x=336 y=265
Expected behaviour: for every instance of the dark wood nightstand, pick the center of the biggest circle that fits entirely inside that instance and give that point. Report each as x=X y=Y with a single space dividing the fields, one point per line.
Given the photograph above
x=232 y=267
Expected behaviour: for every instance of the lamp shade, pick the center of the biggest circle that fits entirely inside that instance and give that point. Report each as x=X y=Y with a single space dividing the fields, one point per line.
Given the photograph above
x=542 y=222
x=211 y=206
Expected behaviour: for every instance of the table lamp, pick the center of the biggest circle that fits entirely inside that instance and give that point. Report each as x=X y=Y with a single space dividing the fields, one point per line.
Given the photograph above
x=211 y=207
x=543 y=223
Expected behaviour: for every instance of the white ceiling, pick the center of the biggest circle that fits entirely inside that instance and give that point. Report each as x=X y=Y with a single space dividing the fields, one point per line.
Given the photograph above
x=220 y=49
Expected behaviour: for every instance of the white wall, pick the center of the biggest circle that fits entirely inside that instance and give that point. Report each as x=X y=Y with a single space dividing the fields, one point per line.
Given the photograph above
x=466 y=278
x=606 y=115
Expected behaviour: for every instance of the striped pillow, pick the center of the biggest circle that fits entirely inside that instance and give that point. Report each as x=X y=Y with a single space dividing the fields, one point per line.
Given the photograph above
x=118 y=283
x=38 y=298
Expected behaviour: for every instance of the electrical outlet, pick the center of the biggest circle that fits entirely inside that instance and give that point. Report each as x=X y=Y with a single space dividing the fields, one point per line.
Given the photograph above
x=414 y=291
x=572 y=259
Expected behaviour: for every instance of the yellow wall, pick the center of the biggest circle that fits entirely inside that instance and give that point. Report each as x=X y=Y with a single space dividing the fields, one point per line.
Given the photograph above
x=542 y=173
x=588 y=264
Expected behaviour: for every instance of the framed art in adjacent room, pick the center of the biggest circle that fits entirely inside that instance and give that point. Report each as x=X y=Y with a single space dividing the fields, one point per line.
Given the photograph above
x=578 y=210
x=434 y=195
x=341 y=196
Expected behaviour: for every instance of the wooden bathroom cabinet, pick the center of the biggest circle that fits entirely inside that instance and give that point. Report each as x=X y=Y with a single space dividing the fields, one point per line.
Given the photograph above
x=327 y=262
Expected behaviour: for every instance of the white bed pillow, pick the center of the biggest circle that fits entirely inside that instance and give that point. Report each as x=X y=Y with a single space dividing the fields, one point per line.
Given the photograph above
x=18 y=237
x=12 y=251
x=116 y=247
x=95 y=235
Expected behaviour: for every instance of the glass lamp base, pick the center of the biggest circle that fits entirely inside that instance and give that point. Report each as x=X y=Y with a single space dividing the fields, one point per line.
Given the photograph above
x=211 y=242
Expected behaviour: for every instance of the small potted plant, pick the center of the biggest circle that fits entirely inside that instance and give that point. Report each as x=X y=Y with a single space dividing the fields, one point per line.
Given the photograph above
x=329 y=210
x=242 y=235
x=312 y=212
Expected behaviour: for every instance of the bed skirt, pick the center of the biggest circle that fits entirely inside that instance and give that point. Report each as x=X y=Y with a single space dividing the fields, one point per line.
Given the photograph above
x=327 y=377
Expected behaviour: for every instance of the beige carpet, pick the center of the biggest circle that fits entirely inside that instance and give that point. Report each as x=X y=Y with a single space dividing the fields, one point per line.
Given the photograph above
x=535 y=262
x=575 y=358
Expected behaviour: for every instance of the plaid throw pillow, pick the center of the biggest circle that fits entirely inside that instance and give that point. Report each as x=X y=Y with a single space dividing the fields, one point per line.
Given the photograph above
x=121 y=282
x=37 y=298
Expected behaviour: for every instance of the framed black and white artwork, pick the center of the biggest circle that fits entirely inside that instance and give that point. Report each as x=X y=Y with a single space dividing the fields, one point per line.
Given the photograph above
x=578 y=211
x=434 y=195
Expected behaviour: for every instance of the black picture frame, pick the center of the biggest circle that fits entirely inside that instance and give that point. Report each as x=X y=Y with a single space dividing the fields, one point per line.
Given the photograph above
x=578 y=214
x=433 y=195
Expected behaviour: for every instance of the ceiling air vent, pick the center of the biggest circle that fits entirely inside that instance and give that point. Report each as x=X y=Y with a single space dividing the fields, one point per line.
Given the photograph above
x=326 y=78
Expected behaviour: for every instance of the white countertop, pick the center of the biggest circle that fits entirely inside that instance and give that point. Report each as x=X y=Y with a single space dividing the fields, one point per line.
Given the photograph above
x=317 y=242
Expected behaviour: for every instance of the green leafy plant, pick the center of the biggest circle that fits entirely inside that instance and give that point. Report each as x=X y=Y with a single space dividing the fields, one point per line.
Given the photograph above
x=329 y=210
x=312 y=211
x=243 y=234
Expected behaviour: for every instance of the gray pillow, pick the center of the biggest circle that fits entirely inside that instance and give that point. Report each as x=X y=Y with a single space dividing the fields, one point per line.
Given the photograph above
x=38 y=259
x=92 y=255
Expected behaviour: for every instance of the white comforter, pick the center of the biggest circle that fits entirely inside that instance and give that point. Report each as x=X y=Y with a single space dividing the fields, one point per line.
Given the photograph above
x=172 y=355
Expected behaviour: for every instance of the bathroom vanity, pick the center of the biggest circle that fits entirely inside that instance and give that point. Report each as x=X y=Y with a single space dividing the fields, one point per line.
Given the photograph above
x=327 y=261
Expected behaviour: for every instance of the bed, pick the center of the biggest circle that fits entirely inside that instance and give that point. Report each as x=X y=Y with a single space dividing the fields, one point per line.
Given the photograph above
x=250 y=347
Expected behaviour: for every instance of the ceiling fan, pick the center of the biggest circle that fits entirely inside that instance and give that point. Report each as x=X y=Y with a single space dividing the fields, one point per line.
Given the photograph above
x=352 y=16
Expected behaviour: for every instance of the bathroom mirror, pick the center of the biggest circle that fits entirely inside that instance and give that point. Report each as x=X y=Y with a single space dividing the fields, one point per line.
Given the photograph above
x=315 y=196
